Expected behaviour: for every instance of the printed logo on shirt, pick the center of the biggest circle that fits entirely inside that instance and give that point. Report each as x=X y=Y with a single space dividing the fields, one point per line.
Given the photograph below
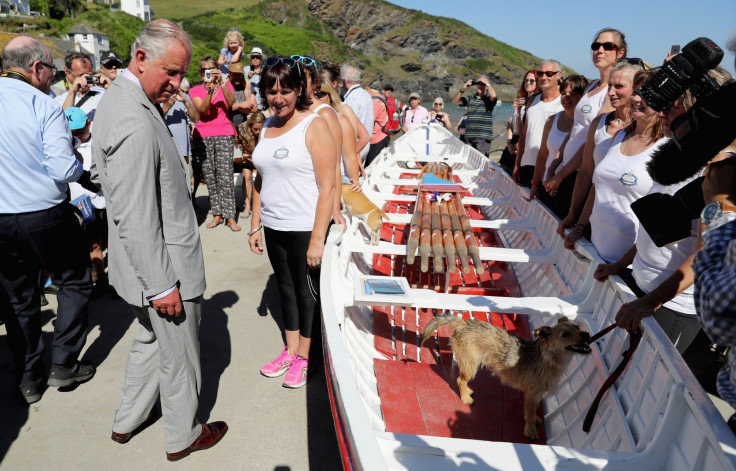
x=281 y=153
x=586 y=109
x=629 y=179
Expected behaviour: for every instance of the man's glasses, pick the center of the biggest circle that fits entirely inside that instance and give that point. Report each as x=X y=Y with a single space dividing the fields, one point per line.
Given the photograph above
x=542 y=73
x=530 y=81
x=50 y=66
x=607 y=46
x=306 y=60
x=320 y=94
x=634 y=61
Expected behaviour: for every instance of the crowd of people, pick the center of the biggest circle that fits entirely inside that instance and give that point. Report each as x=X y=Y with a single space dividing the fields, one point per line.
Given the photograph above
x=130 y=145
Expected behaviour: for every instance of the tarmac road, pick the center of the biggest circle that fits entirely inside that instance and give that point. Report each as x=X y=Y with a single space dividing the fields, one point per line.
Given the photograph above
x=270 y=427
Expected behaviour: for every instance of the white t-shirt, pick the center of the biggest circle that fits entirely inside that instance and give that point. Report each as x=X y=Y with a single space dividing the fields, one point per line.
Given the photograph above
x=289 y=189
x=90 y=104
x=619 y=181
x=652 y=265
x=585 y=112
x=75 y=189
x=554 y=140
x=536 y=116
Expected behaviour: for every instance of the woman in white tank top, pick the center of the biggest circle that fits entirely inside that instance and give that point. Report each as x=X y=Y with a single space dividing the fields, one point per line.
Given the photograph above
x=600 y=136
x=608 y=47
x=292 y=203
x=620 y=179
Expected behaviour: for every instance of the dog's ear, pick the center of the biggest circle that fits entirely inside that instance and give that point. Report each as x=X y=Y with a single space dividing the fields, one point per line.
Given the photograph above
x=563 y=319
x=543 y=332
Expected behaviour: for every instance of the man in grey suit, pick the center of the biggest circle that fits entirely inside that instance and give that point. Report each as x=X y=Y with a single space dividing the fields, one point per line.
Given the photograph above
x=155 y=255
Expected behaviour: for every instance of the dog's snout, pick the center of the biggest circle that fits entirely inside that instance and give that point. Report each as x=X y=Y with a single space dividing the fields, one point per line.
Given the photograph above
x=585 y=336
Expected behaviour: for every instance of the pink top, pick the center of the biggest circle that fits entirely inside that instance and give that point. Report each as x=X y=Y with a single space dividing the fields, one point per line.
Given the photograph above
x=215 y=122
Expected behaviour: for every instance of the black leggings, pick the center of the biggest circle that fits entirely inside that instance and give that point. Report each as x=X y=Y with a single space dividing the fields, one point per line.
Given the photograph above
x=287 y=251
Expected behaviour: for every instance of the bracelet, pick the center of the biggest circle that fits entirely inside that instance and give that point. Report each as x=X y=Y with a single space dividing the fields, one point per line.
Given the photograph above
x=250 y=233
x=536 y=182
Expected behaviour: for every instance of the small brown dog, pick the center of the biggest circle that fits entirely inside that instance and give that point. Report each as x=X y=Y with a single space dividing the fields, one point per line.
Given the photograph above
x=361 y=207
x=533 y=367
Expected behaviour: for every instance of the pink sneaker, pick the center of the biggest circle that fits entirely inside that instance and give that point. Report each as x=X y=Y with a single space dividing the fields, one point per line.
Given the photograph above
x=297 y=375
x=279 y=365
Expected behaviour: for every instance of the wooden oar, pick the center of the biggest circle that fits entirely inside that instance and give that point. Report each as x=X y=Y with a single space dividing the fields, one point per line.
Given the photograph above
x=457 y=235
x=469 y=237
x=447 y=237
x=413 y=242
x=425 y=236
x=436 y=237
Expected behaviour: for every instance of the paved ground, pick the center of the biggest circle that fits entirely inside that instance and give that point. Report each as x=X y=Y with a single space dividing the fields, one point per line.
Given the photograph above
x=271 y=427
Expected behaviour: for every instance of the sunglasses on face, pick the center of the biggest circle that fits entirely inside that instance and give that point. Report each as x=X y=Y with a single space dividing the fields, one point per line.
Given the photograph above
x=204 y=69
x=320 y=94
x=530 y=81
x=542 y=73
x=608 y=46
x=306 y=60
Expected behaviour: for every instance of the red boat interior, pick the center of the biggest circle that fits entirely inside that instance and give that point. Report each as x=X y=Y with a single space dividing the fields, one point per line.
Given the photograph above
x=420 y=395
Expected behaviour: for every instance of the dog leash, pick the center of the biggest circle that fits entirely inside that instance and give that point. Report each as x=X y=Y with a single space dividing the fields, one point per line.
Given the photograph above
x=633 y=343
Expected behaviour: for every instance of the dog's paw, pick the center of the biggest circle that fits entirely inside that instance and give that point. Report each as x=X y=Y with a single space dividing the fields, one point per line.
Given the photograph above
x=530 y=432
x=467 y=400
x=537 y=420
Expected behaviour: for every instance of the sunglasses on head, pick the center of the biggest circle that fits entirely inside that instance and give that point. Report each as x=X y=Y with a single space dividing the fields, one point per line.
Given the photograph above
x=306 y=60
x=320 y=94
x=549 y=73
x=634 y=61
x=608 y=46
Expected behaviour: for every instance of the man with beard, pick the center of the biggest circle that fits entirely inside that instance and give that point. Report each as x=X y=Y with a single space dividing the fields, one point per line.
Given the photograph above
x=245 y=102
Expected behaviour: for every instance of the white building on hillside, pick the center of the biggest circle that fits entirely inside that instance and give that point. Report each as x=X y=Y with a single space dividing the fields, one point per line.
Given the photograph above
x=90 y=41
x=139 y=8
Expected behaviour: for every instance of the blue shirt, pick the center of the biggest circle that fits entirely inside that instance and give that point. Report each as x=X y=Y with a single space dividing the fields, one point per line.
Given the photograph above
x=36 y=156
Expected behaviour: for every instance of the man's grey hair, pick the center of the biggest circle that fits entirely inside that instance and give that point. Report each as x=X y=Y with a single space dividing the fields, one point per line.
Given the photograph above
x=157 y=36
x=350 y=74
x=551 y=62
x=185 y=84
x=22 y=52
x=731 y=43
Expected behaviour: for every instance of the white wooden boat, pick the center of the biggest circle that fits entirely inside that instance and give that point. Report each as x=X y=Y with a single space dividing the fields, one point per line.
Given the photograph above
x=655 y=417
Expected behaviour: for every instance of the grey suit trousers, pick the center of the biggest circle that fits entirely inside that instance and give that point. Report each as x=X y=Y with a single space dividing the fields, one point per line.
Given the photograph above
x=164 y=360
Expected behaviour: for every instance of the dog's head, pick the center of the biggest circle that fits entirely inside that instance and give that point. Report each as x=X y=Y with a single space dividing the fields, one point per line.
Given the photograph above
x=564 y=335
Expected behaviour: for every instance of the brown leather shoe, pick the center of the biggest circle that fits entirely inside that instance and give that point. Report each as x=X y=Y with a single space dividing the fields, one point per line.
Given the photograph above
x=211 y=434
x=124 y=438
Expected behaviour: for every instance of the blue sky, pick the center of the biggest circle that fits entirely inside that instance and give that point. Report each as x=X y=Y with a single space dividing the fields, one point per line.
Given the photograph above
x=564 y=30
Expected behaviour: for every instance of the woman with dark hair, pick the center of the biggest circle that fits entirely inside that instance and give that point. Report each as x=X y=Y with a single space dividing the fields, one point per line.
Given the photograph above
x=527 y=88
x=292 y=205
x=608 y=47
x=556 y=130
x=213 y=143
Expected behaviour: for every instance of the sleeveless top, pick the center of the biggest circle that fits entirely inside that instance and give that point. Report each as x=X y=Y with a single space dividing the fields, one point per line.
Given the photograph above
x=536 y=116
x=585 y=111
x=343 y=171
x=619 y=181
x=602 y=139
x=554 y=140
x=289 y=190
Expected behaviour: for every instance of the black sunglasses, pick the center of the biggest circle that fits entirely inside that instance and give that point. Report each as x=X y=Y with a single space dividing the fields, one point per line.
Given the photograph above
x=529 y=81
x=633 y=61
x=542 y=73
x=320 y=94
x=607 y=46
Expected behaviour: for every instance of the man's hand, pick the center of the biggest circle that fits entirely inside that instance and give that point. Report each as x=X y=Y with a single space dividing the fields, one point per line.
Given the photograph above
x=80 y=83
x=169 y=305
x=104 y=80
x=720 y=181
x=629 y=315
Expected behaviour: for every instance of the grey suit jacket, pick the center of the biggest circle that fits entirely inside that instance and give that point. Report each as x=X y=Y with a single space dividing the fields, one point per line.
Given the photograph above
x=153 y=233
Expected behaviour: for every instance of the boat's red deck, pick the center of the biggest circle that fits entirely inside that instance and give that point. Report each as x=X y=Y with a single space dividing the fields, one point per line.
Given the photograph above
x=420 y=396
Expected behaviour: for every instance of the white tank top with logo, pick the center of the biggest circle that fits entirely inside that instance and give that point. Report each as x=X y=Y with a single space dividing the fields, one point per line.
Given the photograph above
x=585 y=112
x=289 y=189
x=619 y=181
x=536 y=117
x=554 y=140
x=602 y=139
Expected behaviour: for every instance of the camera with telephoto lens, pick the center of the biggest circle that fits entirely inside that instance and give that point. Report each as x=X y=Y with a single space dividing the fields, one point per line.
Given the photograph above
x=697 y=136
x=687 y=70
x=92 y=80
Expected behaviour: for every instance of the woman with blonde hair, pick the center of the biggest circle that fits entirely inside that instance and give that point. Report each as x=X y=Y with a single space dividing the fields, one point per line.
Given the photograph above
x=249 y=132
x=232 y=50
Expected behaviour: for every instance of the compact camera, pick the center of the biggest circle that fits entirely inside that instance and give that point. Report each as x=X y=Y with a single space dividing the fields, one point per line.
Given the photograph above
x=92 y=80
x=208 y=75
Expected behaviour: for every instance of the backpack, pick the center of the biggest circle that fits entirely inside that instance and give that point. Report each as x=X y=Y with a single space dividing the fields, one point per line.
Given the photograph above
x=395 y=113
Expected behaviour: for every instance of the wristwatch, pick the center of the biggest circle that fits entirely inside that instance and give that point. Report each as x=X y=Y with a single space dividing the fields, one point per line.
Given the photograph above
x=714 y=211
